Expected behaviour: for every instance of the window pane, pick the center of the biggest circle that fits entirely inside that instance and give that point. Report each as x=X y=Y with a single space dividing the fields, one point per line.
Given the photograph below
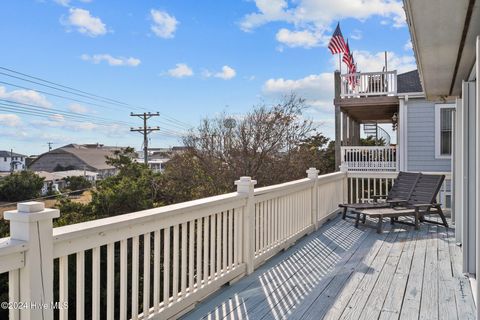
x=446 y=131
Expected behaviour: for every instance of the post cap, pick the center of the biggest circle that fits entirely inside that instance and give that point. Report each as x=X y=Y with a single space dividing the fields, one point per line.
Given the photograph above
x=31 y=206
x=245 y=180
x=312 y=173
x=31 y=212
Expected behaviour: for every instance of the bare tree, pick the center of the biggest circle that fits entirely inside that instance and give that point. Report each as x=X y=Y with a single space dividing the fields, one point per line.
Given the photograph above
x=254 y=145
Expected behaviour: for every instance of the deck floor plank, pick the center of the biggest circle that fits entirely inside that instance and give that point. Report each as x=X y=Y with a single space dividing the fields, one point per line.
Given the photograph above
x=341 y=272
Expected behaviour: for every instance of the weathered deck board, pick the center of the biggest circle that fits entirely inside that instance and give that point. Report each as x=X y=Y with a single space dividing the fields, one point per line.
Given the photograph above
x=340 y=272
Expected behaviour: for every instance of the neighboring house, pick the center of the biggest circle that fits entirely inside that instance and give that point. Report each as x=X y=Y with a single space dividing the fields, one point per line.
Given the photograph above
x=157 y=165
x=76 y=157
x=423 y=128
x=55 y=181
x=11 y=161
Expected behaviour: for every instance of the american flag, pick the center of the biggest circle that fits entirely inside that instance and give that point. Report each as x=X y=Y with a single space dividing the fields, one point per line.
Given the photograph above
x=337 y=43
x=348 y=57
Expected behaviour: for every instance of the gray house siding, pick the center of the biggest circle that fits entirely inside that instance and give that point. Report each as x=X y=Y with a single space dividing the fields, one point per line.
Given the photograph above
x=421 y=138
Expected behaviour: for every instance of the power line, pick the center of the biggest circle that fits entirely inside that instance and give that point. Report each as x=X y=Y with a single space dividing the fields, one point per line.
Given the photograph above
x=54 y=111
x=71 y=90
x=145 y=130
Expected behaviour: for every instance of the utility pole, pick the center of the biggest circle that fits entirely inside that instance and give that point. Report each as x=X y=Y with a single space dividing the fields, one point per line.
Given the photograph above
x=145 y=130
x=50 y=146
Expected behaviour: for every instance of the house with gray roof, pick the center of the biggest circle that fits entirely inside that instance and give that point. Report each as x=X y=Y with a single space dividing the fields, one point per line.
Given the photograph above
x=90 y=157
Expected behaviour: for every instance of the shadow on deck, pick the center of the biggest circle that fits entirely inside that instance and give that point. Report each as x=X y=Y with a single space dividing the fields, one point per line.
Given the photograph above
x=340 y=272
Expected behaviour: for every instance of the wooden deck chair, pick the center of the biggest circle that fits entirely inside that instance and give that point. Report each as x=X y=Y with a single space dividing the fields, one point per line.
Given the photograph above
x=422 y=202
x=401 y=191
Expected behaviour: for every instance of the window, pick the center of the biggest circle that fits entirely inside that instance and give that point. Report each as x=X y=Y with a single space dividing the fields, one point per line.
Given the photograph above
x=443 y=130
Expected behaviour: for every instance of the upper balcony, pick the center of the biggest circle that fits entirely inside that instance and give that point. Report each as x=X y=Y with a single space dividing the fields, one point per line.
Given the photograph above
x=266 y=252
x=368 y=84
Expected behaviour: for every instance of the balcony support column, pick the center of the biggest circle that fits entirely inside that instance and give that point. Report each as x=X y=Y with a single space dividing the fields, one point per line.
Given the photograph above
x=32 y=223
x=338 y=115
x=246 y=186
x=312 y=174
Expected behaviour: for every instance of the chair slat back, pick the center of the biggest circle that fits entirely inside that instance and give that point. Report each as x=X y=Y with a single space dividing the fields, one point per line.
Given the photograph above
x=403 y=185
x=426 y=189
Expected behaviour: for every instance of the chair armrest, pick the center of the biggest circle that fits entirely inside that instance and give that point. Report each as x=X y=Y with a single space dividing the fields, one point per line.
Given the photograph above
x=375 y=197
x=423 y=205
x=396 y=202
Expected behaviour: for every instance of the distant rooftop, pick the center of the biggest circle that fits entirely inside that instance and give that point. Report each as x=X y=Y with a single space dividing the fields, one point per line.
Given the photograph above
x=409 y=82
x=8 y=154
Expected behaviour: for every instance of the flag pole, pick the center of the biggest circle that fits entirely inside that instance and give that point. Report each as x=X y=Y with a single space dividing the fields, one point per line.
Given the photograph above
x=340 y=63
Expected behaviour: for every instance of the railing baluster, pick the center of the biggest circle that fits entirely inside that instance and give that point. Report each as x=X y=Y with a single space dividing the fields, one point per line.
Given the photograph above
x=206 y=234
x=110 y=280
x=166 y=267
x=63 y=279
x=183 y=268
x=225 y=242
x=146 y=275
x=175 y=265
x=80 y=285
x=96 y=283
x=199 y=248
x=135 y=277
x=230 y=240
x=156 y=271
x=218 y=245
x=191 y=255
x=123 y=280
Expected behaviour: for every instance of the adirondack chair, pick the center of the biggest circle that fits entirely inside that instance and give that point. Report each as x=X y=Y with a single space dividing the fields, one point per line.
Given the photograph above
x=421 y=202
x=401 y=190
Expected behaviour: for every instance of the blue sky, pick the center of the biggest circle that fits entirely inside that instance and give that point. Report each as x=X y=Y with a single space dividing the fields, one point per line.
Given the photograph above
x=186 y=59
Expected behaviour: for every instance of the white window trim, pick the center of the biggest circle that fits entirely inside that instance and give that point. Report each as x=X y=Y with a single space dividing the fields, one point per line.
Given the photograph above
x=438 y=107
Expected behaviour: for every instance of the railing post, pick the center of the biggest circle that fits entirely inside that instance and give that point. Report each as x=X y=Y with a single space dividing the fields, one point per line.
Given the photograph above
x=246 y=186
x=32 y=223
x=312 y=174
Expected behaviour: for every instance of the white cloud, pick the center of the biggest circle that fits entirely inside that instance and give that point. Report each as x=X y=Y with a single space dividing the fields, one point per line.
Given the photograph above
x=305 y=38
x=25 y=96
x=227 y=73
x=85 y=23
x=316 y=16
x=408 y=46
x=64 y=3
x=57 y=117
x=356 y=35
x=78 y=108
x=112 y=61
x=10 y=120
x=371 y=62
x=316 y=89
x=181 y=70
x=164 y=25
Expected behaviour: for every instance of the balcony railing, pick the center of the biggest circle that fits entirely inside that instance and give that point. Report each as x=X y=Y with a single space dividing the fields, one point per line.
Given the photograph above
x=365 y=84
x=161 y=262
x=377 y=158
x=157 y=262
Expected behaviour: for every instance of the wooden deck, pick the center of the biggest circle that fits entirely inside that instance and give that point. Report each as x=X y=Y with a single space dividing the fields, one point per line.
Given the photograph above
x=340 y=272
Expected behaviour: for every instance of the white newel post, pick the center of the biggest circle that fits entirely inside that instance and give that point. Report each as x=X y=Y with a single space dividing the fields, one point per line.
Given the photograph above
x=32 y=223
x=312 y=174
x=246 y=186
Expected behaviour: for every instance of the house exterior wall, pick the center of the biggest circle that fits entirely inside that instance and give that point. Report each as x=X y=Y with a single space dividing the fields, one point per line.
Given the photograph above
x=421 y=138
x=5 y=163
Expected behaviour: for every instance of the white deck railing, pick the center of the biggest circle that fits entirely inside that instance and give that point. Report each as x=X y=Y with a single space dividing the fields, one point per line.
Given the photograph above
x=363 y=186
x=157 y=262
x=364 y=84
x=374 y=159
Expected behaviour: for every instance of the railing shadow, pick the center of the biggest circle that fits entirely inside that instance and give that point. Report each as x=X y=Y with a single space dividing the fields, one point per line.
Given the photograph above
x=285 y=282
